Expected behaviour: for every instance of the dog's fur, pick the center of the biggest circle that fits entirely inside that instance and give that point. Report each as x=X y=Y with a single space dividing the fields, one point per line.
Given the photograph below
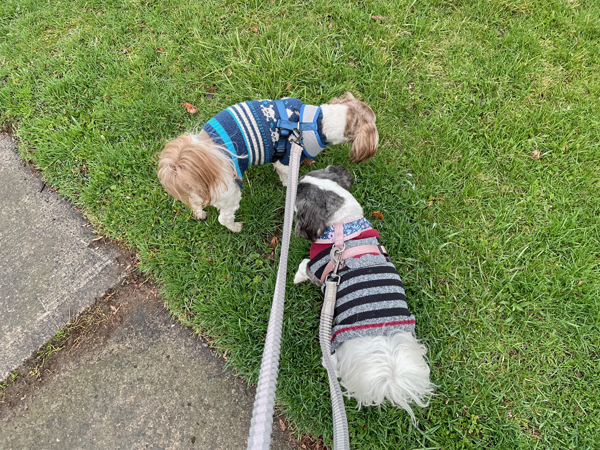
x=372 y=369
x=195 y=171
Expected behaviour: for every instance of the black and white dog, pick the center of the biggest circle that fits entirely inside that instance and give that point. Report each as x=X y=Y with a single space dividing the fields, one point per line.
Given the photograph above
x=375 y=351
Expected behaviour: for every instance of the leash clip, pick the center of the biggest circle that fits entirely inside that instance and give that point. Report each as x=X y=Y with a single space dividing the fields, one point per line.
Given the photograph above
x=336 y=256
x=295 y=137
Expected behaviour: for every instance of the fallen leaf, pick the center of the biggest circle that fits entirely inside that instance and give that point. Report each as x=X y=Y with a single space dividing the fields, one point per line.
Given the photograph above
x=351 y=64
x=159 y=49
x=377 y=215
x=308 y=162
x=282 y=425
x=429 y=204
x=255 y=30
x=580 y=283
x=273 y=243
x=113 y=308
x=380 y=18
x=330 y=25
x=190 y=108
x=536 y=154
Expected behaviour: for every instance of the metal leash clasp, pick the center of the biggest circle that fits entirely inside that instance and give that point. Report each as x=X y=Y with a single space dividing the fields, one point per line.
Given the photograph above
x=336 y=256
x=295 y=137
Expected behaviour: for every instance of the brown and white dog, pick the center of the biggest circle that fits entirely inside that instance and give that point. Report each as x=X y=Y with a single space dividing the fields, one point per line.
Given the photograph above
x=206 y=169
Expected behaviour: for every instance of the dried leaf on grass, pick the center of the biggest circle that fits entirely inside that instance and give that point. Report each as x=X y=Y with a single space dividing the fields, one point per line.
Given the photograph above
x=380 y=18
x=377 y=215
x=190 y=108
x=273 y=243
x=536 y=154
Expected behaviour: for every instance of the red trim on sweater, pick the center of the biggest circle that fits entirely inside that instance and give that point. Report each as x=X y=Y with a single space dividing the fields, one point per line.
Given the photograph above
x=315 y=249
x=373 y=325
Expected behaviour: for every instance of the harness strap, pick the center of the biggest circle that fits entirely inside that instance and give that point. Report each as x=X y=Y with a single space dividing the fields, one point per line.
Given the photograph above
x=307 y=125
x=338 y=235
x=285 y=127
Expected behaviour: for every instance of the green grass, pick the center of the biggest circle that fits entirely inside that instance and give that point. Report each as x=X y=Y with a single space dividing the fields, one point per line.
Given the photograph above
x=499 y=250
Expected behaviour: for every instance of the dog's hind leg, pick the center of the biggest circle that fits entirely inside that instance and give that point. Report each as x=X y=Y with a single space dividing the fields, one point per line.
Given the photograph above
x=227 y=204
x=197 y=208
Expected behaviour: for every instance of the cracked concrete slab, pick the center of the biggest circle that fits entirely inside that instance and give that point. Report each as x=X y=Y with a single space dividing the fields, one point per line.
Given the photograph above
x=139 y=382
x=49 y=271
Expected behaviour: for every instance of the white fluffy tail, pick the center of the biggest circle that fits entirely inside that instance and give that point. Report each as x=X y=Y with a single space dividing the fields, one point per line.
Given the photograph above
x=375 y=368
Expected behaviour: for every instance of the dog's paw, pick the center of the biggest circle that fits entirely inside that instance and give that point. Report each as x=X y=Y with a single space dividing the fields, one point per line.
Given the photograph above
x=301 y=276
x=299 y=279
x=200 y=214
x=236 y=227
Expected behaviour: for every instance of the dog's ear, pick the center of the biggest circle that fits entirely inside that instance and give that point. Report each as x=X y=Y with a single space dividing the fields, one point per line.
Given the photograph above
x=314 y=207
x=345 y=99
x=341 y=175
x=366 y=140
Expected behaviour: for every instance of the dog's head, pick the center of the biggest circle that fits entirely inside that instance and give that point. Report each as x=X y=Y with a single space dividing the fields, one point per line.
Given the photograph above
x=360 y=128
x=323 y=198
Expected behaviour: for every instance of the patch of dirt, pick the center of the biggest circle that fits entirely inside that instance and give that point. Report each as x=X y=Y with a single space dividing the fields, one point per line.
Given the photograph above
x=7 y=128
x=85 y=334
x=304 y=442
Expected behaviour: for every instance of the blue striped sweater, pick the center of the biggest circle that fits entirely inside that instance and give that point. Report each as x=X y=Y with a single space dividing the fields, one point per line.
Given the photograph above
x=249 y=131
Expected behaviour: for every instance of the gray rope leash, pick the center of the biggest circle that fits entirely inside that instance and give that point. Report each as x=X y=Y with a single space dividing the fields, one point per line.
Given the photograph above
x=264 y=402
x=341 y=440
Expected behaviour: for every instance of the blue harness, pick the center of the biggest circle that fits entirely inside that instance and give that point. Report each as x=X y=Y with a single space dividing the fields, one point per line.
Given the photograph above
x=308 y=127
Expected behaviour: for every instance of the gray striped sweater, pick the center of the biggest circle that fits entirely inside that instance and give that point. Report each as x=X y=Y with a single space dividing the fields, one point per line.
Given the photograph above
x=370 y=299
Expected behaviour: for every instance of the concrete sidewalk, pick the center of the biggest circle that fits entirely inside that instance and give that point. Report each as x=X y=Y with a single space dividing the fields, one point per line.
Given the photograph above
x=129 y=378
x=49 y=270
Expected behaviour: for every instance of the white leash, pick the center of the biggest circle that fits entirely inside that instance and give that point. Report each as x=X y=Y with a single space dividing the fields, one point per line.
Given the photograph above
x=264 y=402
